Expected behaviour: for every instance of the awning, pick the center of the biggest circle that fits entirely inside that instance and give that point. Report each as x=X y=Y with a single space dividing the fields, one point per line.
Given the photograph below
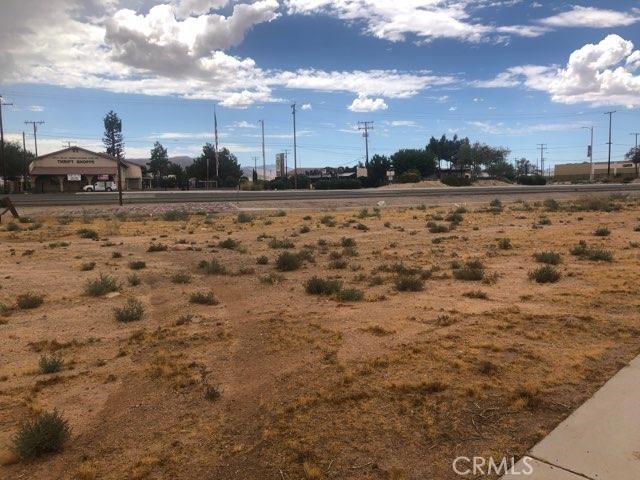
x=63 y=171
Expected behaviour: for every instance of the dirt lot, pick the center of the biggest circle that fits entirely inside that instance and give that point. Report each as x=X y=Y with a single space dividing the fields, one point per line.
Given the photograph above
x=272 y=382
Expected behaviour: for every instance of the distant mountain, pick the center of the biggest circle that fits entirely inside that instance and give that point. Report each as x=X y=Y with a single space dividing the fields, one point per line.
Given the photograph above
x=182 y=160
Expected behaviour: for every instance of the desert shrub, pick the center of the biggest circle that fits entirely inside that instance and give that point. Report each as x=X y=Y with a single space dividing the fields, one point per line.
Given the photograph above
x=453 y=181
x=116 y=255
x=582 y=250
x=550 y=258
x=478 y=294
x=595 y=204
x=100 y=286
x=213 y=267
x=134 y=280
x=211 y=393
x=272 y=278
x=203 y=298
x=545 y=274
x=410 y=176
x=504 y=244
x=350 y=295
x=157 y=247
x=58 y=244
x=544 y=221
x=361 y=226
x=244 y=217
x=181 y=277
x=175 y=216
x=338 y=184
x=88 y=233
x=471 y=271
x=29 y=300
x=376 y=280
x=409 y=283
x=495 y=206
x=132 y=311
x=46 y=433
x=328 y=220
x=532 y=180
x=284 y=243
x=87 y=266
x=434 y=227
x=551 y=205
x=262 y=260
x=305 y=229
x=50 y=364
x=137 y=265
x=338 y=264
x=229 y=243
x=347 y=242
x=579 y=249
x=455 y=217
x=287 y=262
x=602 y=232
x=321 y=286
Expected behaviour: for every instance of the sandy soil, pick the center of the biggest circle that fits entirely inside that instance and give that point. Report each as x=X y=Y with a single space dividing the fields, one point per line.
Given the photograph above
x=391 y=387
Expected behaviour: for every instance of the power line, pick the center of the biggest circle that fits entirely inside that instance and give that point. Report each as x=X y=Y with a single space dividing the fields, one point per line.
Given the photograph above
x=542 y=147
x=295 y=148
x=609 y=143
x=35 y=132
x=264 y=161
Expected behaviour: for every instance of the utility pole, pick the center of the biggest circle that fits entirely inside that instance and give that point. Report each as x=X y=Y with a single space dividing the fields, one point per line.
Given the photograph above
x=2 y=160
x=635 y=152
x=24 y=160
x=590 y=152
x=295 y=148
x=264 y=161
x=215 y=151
x=286 y=163
x=366 y=126
x=35 y=132
x=542 y=147
x=255 y=167
x=609 y=142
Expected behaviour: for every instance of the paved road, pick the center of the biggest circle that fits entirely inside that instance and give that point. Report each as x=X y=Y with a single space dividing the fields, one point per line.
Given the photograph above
x=266 y=196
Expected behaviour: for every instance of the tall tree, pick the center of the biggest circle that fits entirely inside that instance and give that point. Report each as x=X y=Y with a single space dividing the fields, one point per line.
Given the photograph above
x=158 y=160
x=414 y=159
x=377 y=170
x=229 y=168
x=633 y=155
x=114 y=143
x=16 y=160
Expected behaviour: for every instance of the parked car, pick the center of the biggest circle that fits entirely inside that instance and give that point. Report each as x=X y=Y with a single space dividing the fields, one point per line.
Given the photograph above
x=100 y=187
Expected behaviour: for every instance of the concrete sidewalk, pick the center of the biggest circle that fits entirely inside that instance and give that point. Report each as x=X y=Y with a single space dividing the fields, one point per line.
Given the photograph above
x=599 y=441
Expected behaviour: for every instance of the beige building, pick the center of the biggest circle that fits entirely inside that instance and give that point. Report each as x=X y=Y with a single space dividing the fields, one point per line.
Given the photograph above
x=70 y=169
x=569 y=172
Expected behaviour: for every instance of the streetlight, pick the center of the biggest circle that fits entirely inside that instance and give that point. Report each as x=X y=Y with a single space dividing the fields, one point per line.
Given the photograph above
x=590 y=153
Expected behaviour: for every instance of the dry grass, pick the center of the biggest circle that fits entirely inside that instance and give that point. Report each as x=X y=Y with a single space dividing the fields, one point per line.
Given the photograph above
x=314 y=371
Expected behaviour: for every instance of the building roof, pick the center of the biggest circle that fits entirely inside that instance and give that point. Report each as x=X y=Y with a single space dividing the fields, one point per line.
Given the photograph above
x=75 y=149
x=37 y=169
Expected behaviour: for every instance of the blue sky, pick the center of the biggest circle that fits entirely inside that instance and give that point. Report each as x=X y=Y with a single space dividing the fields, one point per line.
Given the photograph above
x=509 y=73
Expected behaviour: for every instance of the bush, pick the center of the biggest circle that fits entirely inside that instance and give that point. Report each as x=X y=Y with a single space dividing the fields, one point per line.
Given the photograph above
x=134 y=280
x=504 y=244
x=202 y=298
x=181 y=277
x=132 y=311
x=287 y=262
x=551 y=205
x=545 y=274
x=550 y=258
x=262 y=260
x=137 y=265
x=88 y=266
x=12 y=227
x=157 y=247
x=175 y=216
x=338 y=184
x=46 y=433
x=602 y=232
x=29 y=300
x=100 y=286
x=409 y=283
x=454 y=181
x=213 y=267
x=320 y=286
x=478 y=294
x=229 y=243
x=88 y=233
x=532 y=180
x=437 y=227
x=50 y=364
x=305 y=229
x=410 y=176
x=582 y=250
x=338 y=264
x=471 y=271
x=350 y=295
x=347 y=242
x=284 y=243
x=244 y=217
x=328 y=220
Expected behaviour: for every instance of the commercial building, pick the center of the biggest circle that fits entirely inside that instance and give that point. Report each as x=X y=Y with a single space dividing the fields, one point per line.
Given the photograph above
x=571 y=172
x=70 y=169
x=281 y=165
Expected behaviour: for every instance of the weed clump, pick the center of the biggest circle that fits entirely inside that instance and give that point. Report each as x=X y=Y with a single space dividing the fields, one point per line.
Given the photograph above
x=50 y=364
x=471 y=271
x=350 y=295
x=288 y=262
x=137 y=265
x=100 y=286
x=175 y=216
x=545 y=274
x=88 y=233
x=262 y=260
x=409 y=283
x=46 y=433
x=212 y=268
x=181 y=277
x=157 y=247
x=276 y=243
x=132 y=311
x=582 y=250
x=244 y=217
x=203 y=298
x=602 y=232
x=29 y=300
x=321 y=286
x=505 y=244
x=229 y=243
x=550 y=258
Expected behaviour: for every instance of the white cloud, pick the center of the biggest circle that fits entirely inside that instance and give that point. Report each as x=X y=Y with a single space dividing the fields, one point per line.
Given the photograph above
x=402 y=123
x=598 y=74
x=245 y=124
x=366 y=104
x=590 y=17
x=500 y=128
x=36 y=108
x=306 y=106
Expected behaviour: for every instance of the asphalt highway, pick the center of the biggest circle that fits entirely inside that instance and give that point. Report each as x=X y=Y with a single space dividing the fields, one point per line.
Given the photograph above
x=99 y=198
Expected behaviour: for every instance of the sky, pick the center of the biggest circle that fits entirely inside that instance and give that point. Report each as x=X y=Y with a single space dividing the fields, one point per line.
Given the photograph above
x=510 y=73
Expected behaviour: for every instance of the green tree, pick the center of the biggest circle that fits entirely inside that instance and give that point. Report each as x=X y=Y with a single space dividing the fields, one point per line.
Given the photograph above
x=229 y=172
x=159 y=161
x=377 y=170
x=523 y=167
x=15 y=161
x=112 y=138
x=414 y=159
x=633 y=155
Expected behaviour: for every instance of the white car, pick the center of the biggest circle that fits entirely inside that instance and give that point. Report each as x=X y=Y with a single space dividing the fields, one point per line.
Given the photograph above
x=100 y=187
